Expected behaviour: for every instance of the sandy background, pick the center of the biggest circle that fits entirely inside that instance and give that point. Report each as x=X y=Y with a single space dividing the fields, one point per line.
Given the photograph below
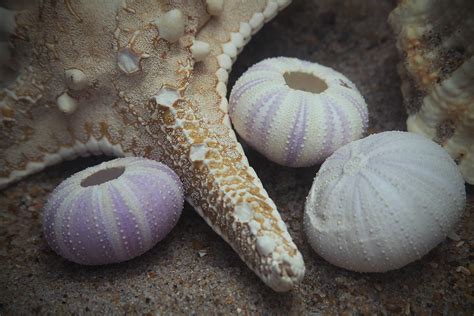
x=193 y=271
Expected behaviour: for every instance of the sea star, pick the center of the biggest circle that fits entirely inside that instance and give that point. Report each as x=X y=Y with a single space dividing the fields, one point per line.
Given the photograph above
x=147 y=79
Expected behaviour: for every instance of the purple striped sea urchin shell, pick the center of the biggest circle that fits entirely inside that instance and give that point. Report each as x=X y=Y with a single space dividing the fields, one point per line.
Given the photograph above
x=113 y=212
x=295 y=112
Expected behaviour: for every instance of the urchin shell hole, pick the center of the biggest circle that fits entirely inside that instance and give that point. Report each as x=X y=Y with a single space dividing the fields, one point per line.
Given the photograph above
x=303 y=81
x=103 y=176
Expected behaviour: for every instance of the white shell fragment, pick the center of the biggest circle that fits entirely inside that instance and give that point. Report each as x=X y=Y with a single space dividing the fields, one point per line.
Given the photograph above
x=256 y=22
x=243 y=212
x=75 y=79
x=198 y=152
x=382 y=202
x=171 y=25
x=265 y=245
x=200 y=50
x=270 y=11
x=296 y=113
x=66 y=104
x=283 y=3
x=167 y=96
x=128 y=61
x=214 y=7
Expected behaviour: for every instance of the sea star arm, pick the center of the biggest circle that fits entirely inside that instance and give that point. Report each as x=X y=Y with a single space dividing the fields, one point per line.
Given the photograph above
x=111 y=91
x=225 y=191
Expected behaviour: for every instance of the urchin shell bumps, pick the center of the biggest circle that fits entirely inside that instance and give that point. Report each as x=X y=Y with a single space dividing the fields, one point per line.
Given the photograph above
x=113 y=212
x=295 y=112
x=382 y=202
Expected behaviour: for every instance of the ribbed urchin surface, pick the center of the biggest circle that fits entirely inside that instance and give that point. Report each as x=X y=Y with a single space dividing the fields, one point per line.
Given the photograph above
x=114 y=211
x=382 y=202
x=296 y=112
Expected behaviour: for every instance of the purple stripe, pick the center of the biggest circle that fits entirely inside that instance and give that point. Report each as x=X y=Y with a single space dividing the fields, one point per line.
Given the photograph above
x=163 y=198
x=360 y=108
x=344 y=121
x=329 y=128
x=167 y=176
x=125 y=223
x=255 y=108
x=154 y=191
x=264 y=131
x=102 y=226
x=66 y=213
x=54 y=206
x=296 y=138
x=78 y=230
x=95 y=251
x=156 y=166
x=149 y=188
x=236 y=94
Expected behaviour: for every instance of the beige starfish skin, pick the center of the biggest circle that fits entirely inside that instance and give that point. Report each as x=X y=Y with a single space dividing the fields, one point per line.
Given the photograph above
x=124 y=78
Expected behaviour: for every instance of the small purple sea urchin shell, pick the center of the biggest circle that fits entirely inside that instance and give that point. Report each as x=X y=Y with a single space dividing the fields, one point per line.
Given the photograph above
x=295 y=112
x=113 y=212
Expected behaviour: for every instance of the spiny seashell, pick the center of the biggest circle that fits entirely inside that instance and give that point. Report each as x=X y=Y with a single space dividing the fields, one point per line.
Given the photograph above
x=384 y=201
x=436 y=39
x=295 y=112
x=113 y=212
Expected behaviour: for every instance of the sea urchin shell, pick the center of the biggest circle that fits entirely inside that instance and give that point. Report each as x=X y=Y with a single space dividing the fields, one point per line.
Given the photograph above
x=295 y=112
x=382 y=202
x=113 y=212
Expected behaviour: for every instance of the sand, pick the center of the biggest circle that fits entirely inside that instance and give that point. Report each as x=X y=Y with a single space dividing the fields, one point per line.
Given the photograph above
x=193 y=271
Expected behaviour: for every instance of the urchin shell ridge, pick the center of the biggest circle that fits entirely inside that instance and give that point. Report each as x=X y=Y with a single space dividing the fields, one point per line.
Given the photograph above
x=384 y=201
x=296 y=126
x=114 y=211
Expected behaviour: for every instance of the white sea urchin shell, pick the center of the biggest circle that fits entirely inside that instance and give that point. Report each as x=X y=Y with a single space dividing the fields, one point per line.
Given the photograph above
x=382 y=202
x=295 y=112
x=114 y=211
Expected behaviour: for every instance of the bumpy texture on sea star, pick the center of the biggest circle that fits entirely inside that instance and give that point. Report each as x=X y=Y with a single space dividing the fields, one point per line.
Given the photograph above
x=145 y=78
